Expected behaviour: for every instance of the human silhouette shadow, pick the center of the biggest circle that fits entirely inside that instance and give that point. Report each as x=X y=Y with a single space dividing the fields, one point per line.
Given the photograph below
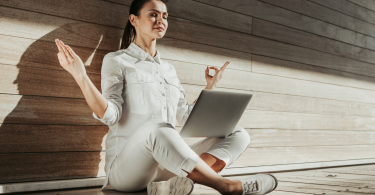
x=50 y=133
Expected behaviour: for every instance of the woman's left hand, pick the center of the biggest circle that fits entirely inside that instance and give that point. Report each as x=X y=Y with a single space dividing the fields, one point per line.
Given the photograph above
x=212 y=80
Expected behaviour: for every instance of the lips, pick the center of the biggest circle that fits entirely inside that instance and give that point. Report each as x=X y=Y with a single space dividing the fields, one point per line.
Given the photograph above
x=160 y=28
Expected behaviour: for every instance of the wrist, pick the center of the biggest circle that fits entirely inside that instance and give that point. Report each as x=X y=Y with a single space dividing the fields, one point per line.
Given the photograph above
x=209 y=88
x=80 y=79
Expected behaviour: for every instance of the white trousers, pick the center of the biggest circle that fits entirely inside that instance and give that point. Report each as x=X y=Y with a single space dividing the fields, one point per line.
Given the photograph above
x=156 y=143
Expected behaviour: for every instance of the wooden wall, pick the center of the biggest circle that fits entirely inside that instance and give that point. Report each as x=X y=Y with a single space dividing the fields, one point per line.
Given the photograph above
x=310 y=65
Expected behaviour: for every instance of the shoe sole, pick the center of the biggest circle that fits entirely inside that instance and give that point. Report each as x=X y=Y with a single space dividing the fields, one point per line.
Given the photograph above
x=275 y=185
x=175 y=185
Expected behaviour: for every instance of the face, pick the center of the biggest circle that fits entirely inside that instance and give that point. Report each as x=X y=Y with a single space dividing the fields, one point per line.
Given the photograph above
x=152 y=16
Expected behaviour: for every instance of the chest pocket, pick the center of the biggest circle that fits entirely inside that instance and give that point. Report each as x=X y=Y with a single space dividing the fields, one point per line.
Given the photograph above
x=174 y=89
x=138 y=94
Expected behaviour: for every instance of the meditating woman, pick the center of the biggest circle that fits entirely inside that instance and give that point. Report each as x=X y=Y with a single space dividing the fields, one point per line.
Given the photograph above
x=141 y=100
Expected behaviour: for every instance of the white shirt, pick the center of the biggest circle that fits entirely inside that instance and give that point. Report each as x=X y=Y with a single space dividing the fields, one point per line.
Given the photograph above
x=138 y=88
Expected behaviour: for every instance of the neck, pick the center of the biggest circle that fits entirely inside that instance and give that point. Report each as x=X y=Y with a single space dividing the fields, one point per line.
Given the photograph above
x=148 y=45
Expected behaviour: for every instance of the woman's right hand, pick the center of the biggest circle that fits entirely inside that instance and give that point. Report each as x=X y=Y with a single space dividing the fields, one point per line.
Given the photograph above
x=70 y=61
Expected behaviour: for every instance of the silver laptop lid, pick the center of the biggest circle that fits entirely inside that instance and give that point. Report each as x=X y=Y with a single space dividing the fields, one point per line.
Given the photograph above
x=215 y=114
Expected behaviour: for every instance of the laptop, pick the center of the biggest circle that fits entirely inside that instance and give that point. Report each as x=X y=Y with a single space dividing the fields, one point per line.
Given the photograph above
x=215 y=114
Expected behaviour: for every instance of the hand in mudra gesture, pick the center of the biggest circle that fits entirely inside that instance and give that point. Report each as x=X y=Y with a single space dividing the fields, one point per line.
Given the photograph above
x=69 y=60
x=212 y=80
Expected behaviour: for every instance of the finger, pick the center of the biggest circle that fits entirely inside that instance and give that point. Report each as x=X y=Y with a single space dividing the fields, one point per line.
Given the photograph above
x=66 y=51
x=225 y=65
x=63 y=54
x=71 y=52
x=213 y=68
x=58 y=45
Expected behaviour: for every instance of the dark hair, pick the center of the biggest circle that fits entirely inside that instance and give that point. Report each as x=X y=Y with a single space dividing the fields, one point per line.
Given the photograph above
x=129 y=32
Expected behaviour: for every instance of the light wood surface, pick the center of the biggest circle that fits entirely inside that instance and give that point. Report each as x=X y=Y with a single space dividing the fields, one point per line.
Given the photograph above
x=349 y=8
x=289 y=183
x=308 y=63
x=323 y=13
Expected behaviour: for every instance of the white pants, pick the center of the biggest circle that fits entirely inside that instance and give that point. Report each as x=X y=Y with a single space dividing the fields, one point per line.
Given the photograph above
x=157 y=142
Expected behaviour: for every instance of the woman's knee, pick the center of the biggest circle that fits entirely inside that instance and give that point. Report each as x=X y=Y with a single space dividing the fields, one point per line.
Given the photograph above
x=164 y=131
x=243 y=135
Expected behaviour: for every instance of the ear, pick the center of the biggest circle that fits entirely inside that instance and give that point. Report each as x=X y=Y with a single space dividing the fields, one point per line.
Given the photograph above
x=133 y=20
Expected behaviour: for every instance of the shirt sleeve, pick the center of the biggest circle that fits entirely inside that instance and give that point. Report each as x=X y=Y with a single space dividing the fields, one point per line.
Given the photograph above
x=112 y=83
x=183 y=108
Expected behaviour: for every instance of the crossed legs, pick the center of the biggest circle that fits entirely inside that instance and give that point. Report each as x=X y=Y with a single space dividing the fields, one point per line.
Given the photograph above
x=157 y=144
x=205 y=173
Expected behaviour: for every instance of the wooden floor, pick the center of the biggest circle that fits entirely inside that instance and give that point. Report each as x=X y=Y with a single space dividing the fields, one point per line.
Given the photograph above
x=328 y=181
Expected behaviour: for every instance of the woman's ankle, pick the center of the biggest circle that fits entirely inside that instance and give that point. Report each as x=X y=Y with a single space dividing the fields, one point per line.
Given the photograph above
x=231 y=187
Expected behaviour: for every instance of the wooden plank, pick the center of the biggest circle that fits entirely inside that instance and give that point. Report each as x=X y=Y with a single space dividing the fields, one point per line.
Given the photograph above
x=60 y=186
x=45 y=110
x=318 y=174
x=18 y=138
x=301 y=38
x=98 y=12
x=284 y=68
x=369 y=167
x=371 y=174
x=351 y=186
x=205 y=34
x=22 y=53
x=286 y=155
x=286 y=138
x=50 y=166
x=261 y=10
x=43 y=27
x=320 y=189
x=188 y=73
x=291 y=138
x=308 y=188
x=323 y=13
x=292 y=103
x=365 y=183
x=369 y=4
x=349 y=8
x=35 y=81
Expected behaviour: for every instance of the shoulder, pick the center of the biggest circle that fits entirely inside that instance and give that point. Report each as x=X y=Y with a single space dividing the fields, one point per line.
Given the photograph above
x=119 y=58
x=113 y=56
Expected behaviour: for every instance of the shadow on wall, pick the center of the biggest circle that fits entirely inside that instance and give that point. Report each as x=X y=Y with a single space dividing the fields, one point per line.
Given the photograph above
x=49 y=131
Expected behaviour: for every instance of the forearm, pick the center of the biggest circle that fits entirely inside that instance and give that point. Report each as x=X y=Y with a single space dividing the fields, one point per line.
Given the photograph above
x=96 y=101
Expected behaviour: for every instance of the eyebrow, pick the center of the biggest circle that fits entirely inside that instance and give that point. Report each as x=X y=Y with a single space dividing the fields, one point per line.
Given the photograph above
x=157 y=11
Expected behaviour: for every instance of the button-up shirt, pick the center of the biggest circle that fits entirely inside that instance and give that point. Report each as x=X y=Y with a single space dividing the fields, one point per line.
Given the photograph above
x=138 y=87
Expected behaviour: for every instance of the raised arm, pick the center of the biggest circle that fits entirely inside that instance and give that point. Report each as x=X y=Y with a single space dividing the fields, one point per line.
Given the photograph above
x=98 y=103
x=183 y=108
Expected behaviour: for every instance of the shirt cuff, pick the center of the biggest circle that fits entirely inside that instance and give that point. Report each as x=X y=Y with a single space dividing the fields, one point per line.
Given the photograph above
x=107 y=114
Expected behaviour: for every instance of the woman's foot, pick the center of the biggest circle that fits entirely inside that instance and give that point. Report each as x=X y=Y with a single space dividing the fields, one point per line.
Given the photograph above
x=175 y=185
x=257 y=184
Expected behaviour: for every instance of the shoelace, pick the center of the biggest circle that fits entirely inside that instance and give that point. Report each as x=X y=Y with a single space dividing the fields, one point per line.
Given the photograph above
x=250 y=187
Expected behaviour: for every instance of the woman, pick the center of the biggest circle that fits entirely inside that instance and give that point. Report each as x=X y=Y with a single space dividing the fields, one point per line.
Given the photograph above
x=141 y=101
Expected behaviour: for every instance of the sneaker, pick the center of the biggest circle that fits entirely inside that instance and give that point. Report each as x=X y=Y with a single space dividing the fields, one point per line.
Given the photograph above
x=258 y=184
x=175 y=185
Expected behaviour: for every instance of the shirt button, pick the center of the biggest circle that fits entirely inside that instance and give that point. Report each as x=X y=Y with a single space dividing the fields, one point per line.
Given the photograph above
x=165 y=107
x=161 y=83
x=163 y=94
x=157 y=71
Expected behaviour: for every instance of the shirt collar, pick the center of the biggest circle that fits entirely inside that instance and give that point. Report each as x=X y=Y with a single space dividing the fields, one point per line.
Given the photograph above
x=141 y=54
